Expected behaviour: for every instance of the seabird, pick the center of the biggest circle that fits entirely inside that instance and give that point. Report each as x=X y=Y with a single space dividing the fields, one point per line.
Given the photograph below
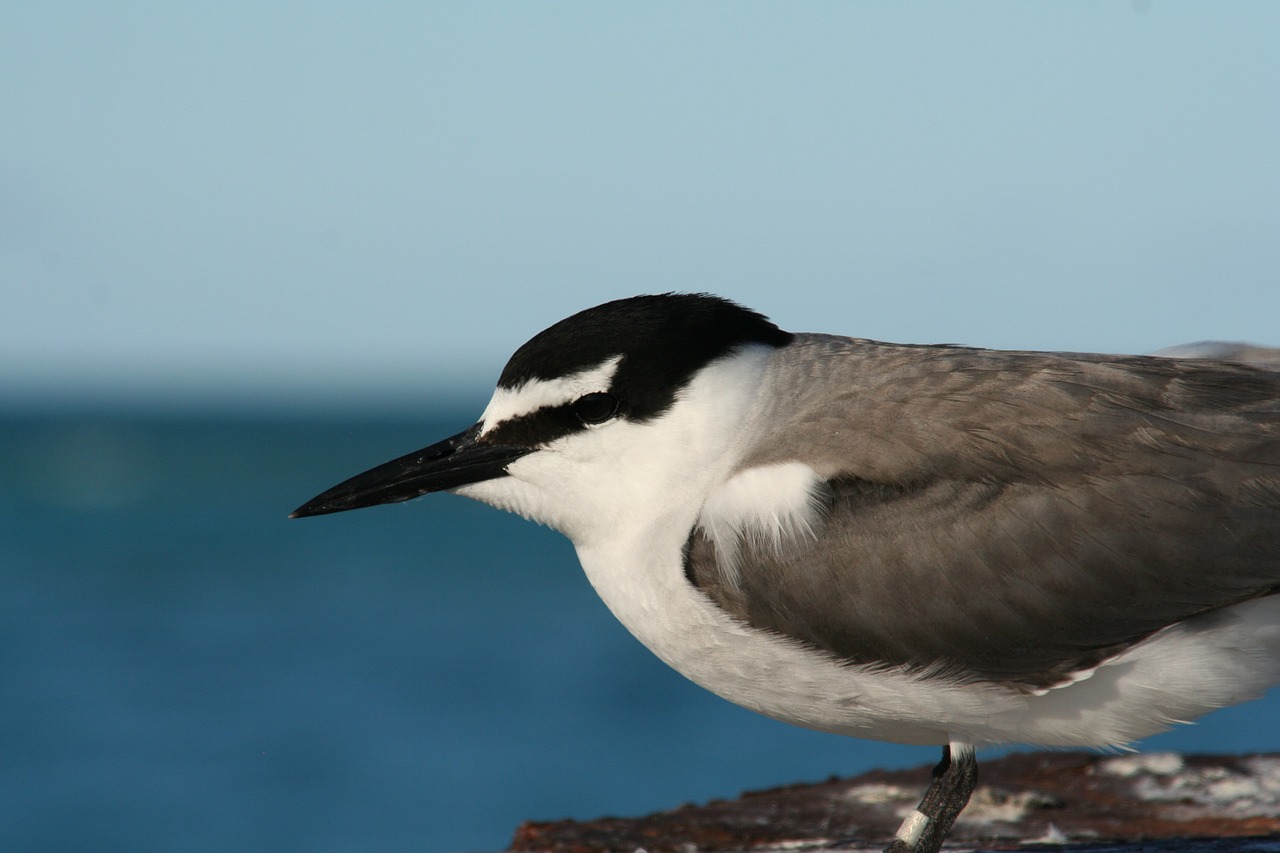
x=920 y=544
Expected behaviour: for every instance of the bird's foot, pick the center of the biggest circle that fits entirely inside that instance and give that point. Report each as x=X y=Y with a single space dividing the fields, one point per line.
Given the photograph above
x=927 y=826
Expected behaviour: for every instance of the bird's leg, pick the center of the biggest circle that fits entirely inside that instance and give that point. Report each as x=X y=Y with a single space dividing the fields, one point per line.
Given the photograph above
x=953 y=781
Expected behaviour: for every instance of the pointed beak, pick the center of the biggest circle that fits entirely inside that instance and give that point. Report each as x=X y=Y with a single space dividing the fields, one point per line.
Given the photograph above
x=448 y=464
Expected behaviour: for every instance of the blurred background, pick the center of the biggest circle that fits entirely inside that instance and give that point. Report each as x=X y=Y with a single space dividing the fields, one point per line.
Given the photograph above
x=248 y=250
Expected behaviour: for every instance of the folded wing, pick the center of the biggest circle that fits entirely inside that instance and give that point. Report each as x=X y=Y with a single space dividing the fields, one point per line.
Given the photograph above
x=1009 y=517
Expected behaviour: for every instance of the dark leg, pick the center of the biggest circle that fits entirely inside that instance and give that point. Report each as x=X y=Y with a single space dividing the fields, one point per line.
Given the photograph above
x=953 y=781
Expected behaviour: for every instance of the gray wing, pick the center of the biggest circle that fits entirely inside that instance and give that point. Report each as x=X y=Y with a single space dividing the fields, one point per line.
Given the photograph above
x=1014 y=517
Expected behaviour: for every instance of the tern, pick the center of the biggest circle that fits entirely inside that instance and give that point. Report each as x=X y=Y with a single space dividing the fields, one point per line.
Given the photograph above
x=915 y=543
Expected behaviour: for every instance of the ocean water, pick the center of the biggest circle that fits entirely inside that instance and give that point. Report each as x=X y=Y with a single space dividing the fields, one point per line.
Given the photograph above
x=184 y=668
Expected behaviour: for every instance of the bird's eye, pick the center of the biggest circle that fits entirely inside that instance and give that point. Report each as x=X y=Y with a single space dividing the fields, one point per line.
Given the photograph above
x=595 y=408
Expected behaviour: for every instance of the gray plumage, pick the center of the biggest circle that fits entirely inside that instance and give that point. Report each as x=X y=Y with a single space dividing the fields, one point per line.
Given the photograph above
x=1095 y=499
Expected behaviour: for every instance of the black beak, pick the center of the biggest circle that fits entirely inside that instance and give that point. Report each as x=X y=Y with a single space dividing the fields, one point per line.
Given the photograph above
x=447 y=464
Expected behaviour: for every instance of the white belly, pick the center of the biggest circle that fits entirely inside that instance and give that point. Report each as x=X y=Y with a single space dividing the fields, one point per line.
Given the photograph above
x=1176 y=675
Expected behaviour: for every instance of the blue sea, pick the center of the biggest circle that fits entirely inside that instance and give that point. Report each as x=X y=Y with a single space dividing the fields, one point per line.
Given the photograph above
x=185 y=669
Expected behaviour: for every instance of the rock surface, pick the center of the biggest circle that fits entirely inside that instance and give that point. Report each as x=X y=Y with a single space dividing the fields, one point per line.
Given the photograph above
x=1030 y=798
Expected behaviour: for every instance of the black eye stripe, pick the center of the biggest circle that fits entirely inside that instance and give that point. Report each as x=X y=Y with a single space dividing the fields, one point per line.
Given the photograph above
x=545 y=425
x=536 y=428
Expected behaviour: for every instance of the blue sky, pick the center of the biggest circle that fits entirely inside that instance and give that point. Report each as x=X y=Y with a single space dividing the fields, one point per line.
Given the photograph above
x=310 y=200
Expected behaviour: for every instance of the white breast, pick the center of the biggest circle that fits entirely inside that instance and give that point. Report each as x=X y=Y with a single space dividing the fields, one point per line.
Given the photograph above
x=773 y=507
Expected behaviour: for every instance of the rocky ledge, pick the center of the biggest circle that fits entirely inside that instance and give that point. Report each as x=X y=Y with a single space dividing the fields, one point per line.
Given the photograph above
x=1030 y=798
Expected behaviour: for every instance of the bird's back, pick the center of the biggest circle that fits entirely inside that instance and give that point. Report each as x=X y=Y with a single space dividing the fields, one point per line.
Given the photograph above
x=1008 y=516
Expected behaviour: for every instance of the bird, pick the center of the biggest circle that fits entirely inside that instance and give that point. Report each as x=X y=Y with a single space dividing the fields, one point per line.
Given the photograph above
x=924 y=544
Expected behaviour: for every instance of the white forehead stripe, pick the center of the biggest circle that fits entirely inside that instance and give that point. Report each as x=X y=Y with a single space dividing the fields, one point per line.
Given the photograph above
x=508 y=403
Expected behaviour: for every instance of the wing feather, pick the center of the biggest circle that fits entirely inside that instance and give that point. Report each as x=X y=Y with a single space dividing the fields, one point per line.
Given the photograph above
x=1013 y=517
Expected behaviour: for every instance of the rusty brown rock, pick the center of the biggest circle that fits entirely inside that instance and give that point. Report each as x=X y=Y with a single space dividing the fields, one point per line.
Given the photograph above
x=1051 y=797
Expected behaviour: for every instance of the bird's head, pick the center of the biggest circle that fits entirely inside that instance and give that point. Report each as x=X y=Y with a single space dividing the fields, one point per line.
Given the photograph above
x=622 y=409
